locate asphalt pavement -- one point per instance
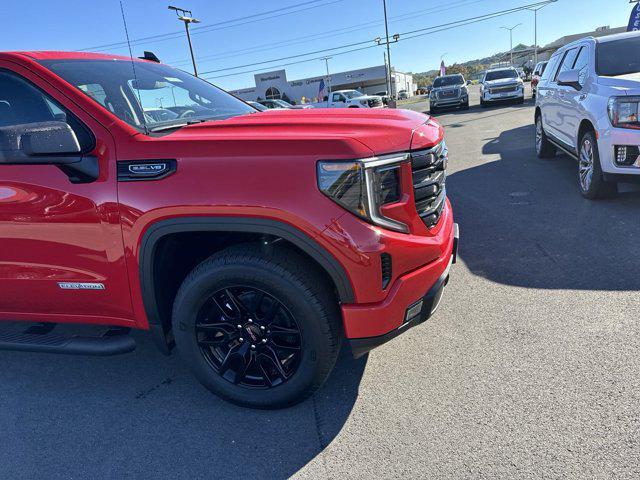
(529, 369)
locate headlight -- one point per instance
(364, 186)
(623, 112)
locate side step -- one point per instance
(39, 338)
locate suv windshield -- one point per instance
(618, 57)
(157, 97)
(447, 81)
(500, 74)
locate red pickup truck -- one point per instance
(136, 196)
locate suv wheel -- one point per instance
(590, 178)
(258, 328)
(544, 148)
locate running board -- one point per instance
(39, 338)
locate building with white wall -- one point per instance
(368, 80)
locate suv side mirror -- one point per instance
(570, 78)
(47, 143)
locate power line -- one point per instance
(177, 34)
(330, 33)
(413, 33)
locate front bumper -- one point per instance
(405, 310)
(505, 96)
(449, 102)
(608, 138)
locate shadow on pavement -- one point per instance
(143, 415)
(523, 222)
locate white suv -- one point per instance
(587, 105)
(500, 84)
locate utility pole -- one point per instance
(187, 17)
(386, 72)
(511, 39)
(392, 101)
(326, 61)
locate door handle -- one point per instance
(583, 96)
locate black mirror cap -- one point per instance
(25, 142)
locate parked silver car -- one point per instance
(588, 105)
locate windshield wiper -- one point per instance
(162, 128)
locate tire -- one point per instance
(521, 101)
(590, 178)
(544, 148)
(433, 110)
(465, 106)
(483, 104)
(237, 356)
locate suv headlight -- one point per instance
(624, 111)
(363, 187)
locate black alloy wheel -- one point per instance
(249, 337)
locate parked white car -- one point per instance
(501, 84)
(587, 105)
(350, 99)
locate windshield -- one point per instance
(283, 104)
(618, 57)
(157, 97)
(448, 81)
(500, 74)
(352, 93)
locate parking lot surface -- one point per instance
(529, 369)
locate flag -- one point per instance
(634, 21)
(443, 69)
(321, 90)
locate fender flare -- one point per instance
(156, 231)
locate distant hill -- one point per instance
(468, 68)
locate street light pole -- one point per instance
(535, 27)
(186, 17)
(511, 39)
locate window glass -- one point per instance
(448, 81)
(618, 57)
(501, 74)
(135, 95)
(567, 62)
(21, 103)
(581, 64)
(551, 68)
(337, 98)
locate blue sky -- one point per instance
(307, 27)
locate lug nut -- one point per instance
(262, 327)
(241, 339)
(264, 340)
(240, 327)
(253, 347)
(250, 321)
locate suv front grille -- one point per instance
(429, 174)
(507, 89)
(448, 94)
(374, 102)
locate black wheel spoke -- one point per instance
(249, 337)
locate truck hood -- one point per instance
(630, 81)
(380, 130)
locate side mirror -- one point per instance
(52, 143)
(570, 78)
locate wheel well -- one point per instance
(585, 126)
(176, 254)
(537, 114)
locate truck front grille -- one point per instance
(429, 174)
(448, 94)
(374, 102)
(507, 89)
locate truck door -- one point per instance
(61, 247)
(338, 100)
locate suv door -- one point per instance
(62, 253)
(555, 122)
(546, 93)
(571, 101)
(338, 100)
